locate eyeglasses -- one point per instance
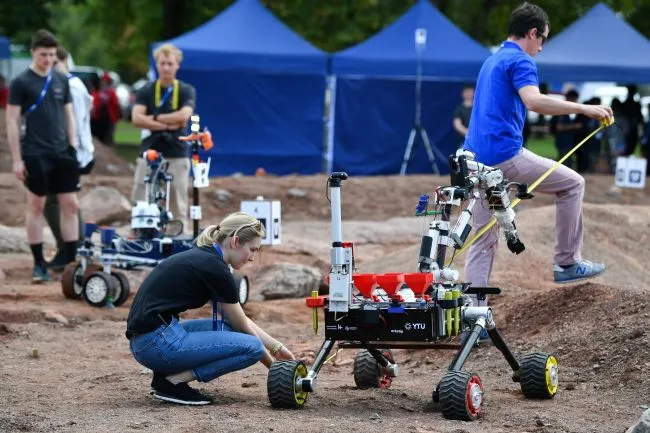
(541, 35)
(257, 226)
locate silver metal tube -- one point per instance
(335, 197)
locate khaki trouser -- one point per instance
(178, 202)
(568, 188)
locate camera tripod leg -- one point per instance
(407, 153)
(429, 149)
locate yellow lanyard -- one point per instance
(174, 95)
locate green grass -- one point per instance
(127, 141)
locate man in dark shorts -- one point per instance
(42, 139)
(162, 108)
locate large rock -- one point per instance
(13, 240)
(105, 205)
(643, 426)
(286, 280)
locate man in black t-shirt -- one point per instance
(162, 108)
(44, 155)
(462, 114)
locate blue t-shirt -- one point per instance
(497, 122)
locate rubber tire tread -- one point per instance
(453, 394)
(67, 278)
(280, 385)
(366, 370)
(533, 375)
(125, 288)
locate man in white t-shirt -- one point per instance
(82, 103)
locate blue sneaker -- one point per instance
(39, 274)
(579, 271)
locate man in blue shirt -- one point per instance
(507, 86)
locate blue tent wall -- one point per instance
(374, 120)
(260, 90)
(5, 52)
(613, 51)
(375, 88)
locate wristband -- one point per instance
(276, 348)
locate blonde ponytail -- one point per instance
(239, 224)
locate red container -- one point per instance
(365, 283)
(419, 282)
(391, 282)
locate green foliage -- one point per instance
(118, 34)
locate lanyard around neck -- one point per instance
(171, 90)
(46, 86)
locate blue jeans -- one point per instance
(193, 345)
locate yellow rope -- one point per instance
(603, 124)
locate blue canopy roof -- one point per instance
(449, 54)
(612, 51)
(247, 36)
(5, 52)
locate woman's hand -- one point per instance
(284, 354)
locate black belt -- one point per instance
(162, 318)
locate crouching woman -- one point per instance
(180, 351)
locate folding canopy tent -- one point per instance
(375, 93)
(260, 90)
(5, 52)
(599, 46)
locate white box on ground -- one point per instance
(630, 172)
(268, 212)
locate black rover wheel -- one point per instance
(122, 288)
(460, 395)
(539, 375)
(368, 373)
(99, 289)
(72, 278)
(282, 387)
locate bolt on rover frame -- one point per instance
(427, 309)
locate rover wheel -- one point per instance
(243, 284)
(539, 375)
(122, 288)
(368, 373)
(72, 278)
(99, 289)
(282, 384)
(461, 395)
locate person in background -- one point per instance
(462, 114)
(565, 128)
(162, 108)
(44, 155)
(106, 110)
(82, 106)
(4, 92)
(631, 110)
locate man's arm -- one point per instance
(13, 131)
(543, 104)
(458, 126)
(71, 125)
(140, 119)
(177, 119)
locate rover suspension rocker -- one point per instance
(425, 309)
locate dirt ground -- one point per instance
(80, 377)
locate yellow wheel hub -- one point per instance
(299, 394)
(551, 375)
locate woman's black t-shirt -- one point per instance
(181, 282)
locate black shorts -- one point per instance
(52, 174)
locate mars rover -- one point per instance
(426, 309)
(156, 235)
